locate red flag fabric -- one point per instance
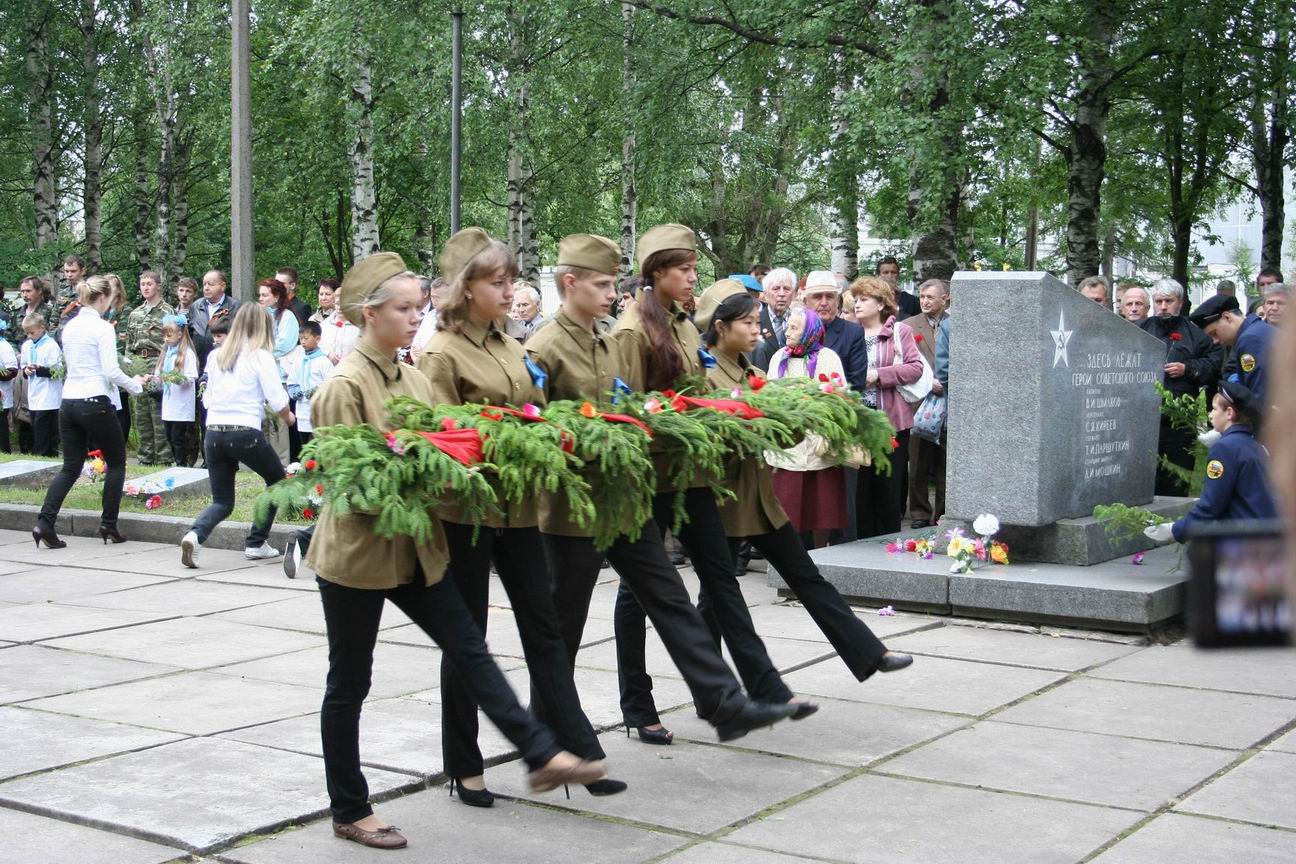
(462, 445)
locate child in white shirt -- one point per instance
(42, 360)
(8, 372)
(315, 369)
(179, 363)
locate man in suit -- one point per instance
(888, 269)
(927, 458)
(843, 338)
(779, 288)
(215, 302)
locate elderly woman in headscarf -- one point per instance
(811, 488)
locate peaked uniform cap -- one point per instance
(664, 237)
(362, 280)
(711, 299)
(589, 252)
(460, 249)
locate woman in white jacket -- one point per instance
(811, 489)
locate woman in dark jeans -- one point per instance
(87, 418)
(241, 378)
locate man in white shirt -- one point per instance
(433, 290)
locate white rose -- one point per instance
(986, 525)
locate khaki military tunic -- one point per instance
(481, 365)
(580, 365)
(345, 549)
(634, 351)
(756, 510)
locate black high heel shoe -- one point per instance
(652, 736)
(48, 537)
(111, 534)
(472, 797)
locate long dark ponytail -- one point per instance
(665, 365)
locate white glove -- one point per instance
(1209, 437)
(1160, 533)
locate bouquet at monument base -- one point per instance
(598, 461)
(966, 551)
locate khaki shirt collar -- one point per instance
(386, 365)
(582, 336)
(479, 334)
(735, 370)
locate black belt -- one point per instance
(225, 427)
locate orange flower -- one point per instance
(587, 410)
(999, 553)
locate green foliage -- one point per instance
(1122, 523)
(840, 419)
(1188, 413)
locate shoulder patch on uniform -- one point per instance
(1215, 469)
(1247, 362)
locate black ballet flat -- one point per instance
(803, 710)
(47, 536)
(653, 736)
(472, 797)
(892, 662)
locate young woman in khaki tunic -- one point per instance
(732, 320)
(659, 349)
(579, 364)
(471, 360)
(359, 570)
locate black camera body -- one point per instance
(1237, 584)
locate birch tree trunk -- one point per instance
(521, 211)
(143, 195)
(845, 212)
(364, 196)
(40, 75)
(92, 121)
(1087, 155)
(180, 203)
(1270, 133)
(629, 191)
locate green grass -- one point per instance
(89, 496)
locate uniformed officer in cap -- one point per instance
(1237, 473)
(1249, 336)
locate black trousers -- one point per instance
(720, 601)
(45, 433)
(879, 502)
(655, 586)
(294, 437)
(5, 446)
(177, 433)
(854, 642)
(226, 450)
(124, 415)
(1178, 446)
(518, 555)
(352, 616)
(88, 424)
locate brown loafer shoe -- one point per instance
(384, 838)
(552, 776)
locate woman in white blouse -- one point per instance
(86, 413)
(241, 379)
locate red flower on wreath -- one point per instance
(1176, 336)
(755, 381)
(319, 488)
(895, 444)
(308, 513)
(310, 465)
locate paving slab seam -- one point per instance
(667, 856)
(102, 720)
(100, 824)
(624, 821)
(50, 769)
(1198, 689)
(999, 790)
(1004, 663)
(1114, 735)
(88, 632)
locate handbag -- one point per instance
(918, 390)
(929, 418)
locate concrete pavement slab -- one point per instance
(1190, 840)
(1285, 744)
(33, 671)
(10, 536)
(191, 643)
(600, 693)
(401, 735)
(843, 733)
(1118, 772)
(214, 566)
(302, 612)
(7, 567)
(1269, 671)
(785, 653)
(931, 683)
(398, 670)
(1151, 711)
(1006, 646)
(725, 853)
(199, 793)
(83, 552)
(1261, 789)
(50, 740)
(691, 787)
(441, 829)
(69, 585)
(164, 560)
(876, 819)
(36, 621)
(31, 839)
(186, 597)
(196, 703)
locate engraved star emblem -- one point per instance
(1061, 337)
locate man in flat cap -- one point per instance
(1237, 470)
(1249, 336)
